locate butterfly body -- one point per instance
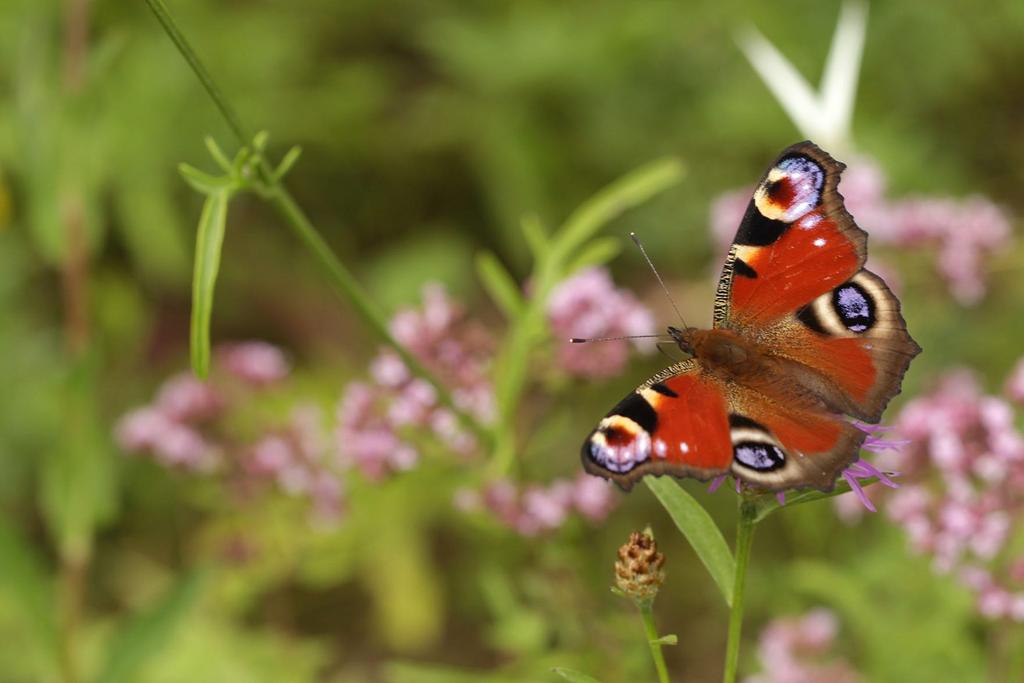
(804, 338)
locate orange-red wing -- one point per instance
(794, 282)
(796, 242)
(675, 424)
(779, 446)
(855, 342)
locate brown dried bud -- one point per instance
(638, 572)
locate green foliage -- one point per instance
(144, 637)
(694, 522)
(575, 676)
(444, 141)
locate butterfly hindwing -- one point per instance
(778, 447)
(855, 338)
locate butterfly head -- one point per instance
(683, 337)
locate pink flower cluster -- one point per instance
(170, 427)
(966, 232)
(589, 305)
(373, 415)
(537, 509)
(298, 460)
(795, 650)
(965, 457)
(184, 427)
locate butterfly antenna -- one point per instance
(636, 241)
(584, 340)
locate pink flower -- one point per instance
(187, 427)
(185, 397)
(1015, 383)
(298, 459)
(793, 650)
(376, 419)
(589, 305)
(965, 456)
(254, 362)
(538, 508)
(171, 442)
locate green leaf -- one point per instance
(699, 529)
(201, 182)
(287, 162)
(574, 676)
(767, 504)
(78, 492)
(597, 253)
(625, 193)
(499, 283)
(670, 639)
(209, 240)
(535, 235)
(217, 153)
(145, 635)
(26, 579)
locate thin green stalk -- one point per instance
(178, 38)
(651, 631)
(341, 278)
(744, 540)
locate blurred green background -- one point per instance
(429, 130)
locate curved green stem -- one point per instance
(341, 278)
(651, 631)
(744, 540)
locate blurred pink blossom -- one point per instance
(796, 650)
(255, 362)
(589, 305)
(171, 442)
(965, 232)
(299, 460)
(187, 398)
(965, 459)
(186, 427)
(373, 417)
(1015, 383)
(168, 429)
(535, 508)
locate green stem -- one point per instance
(651, 631)
(178, 38)
(341, 278)
(744, 540)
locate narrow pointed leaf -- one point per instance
(791, 89)
(209, 240)
(599, 252)
(499, 284)
(535, 235)
(839, 83)
(217, 153)
(768, 503)
(203, 183)
(288, 162)
(699, 529)
(625, 193)
(142, 638)
(574, 676)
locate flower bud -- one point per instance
(638, 572)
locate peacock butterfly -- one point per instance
(803, 338)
